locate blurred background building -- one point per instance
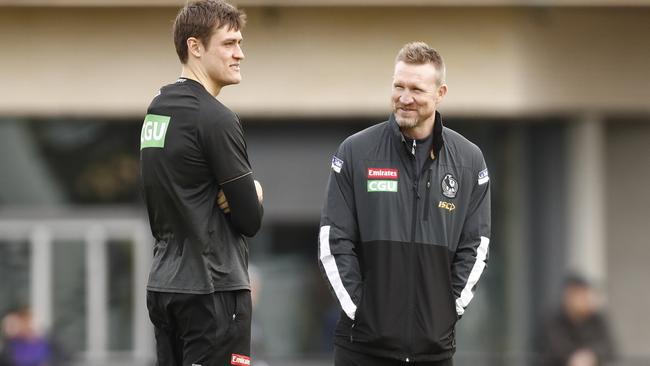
(555, 92)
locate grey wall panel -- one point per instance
(293, 165)
(628, 243)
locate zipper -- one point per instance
(416, 198)
(416, 193)
(427, 194)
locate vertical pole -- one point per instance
(586, 231)
(142, 328)
(41, 277)
(516, 234)
(96, 289)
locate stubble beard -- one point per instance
(405, 122)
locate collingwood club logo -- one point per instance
(449, 186)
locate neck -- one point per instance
(201, 77)
(421, 130)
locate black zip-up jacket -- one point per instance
(402, 246)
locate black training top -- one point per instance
(403, 244)
(191, 146)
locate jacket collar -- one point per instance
(400, 141)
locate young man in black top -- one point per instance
(201, 197)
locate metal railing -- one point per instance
(94, 228)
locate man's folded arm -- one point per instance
(246, 211)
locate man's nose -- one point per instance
(239, 53)
(405, 97)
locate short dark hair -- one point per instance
(576, 280)
(419, 53)
(199, 18)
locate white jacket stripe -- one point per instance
(332, 272)
(466, 295)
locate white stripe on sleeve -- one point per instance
(483, 180)
(332, 273)
(466, 295)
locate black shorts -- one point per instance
(345, 357)
(203, 330)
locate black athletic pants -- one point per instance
(201, 330)
(345, 357)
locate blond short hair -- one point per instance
(419, 53)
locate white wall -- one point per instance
(332, 60)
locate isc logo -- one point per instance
(154, 130)
(446, 205)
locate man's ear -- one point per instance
(442, 91)
(194, 47)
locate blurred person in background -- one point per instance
(24, 345)
(578, 335)
(201, 197)
(405, 226)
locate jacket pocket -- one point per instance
(383, 309)
(357, 315)
(435, 311)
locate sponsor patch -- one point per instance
(446, 205)
(154, 130)
(240, 360)
(483, 176)
(382, 173)
(449, 186)
(382, 186)
(337, 164)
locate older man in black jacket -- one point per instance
(405, 226)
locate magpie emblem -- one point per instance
(449, 186)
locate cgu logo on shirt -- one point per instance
(382, 186)
(382, 179)
(154, 130)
